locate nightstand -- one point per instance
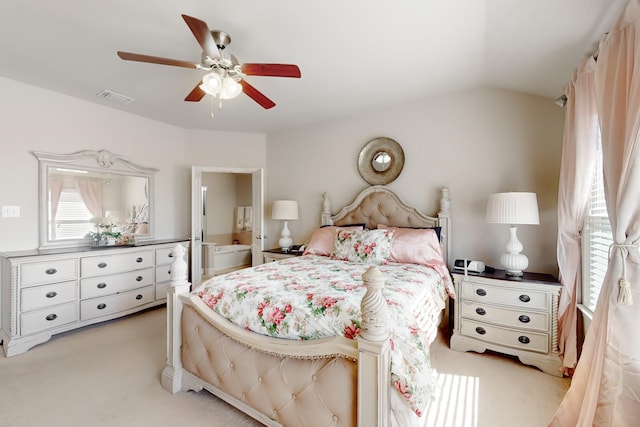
(510, 315)
(276, 254)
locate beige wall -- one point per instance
(35, 119)
(475, 142)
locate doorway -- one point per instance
(242, 210)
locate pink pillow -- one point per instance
(323, 240)
(417, 246)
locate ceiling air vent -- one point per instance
(115, 97)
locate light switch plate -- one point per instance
(10, 211)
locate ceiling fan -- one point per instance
(227, 76)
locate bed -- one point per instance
(286, 368)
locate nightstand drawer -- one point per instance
(513, 297)
(524, 340)
(502, 316)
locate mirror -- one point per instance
(93, 198)
(381, 160)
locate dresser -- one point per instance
(47, 292)
(271, 255)
(510, 315)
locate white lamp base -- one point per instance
(513, 261)
(285, 241)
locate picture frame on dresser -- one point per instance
(512, 315)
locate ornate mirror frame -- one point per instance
(380, 161)
(99, 166)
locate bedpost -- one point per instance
(326, 210)
(444, 220)
(172, 373)
(374, 375)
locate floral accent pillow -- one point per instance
(323, 239)
(366, 246)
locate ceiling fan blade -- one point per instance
(128, 56)
(201, 31)
(272, 70)
(256, 95)
(196, 94)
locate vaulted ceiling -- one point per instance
(355, 55)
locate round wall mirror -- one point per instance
(381, 160)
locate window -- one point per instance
(596, 239)
(72, 217)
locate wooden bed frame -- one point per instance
(370, 352)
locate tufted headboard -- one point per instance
(379, 205)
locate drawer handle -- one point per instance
(524, 298)
(51, 317)
(170, 255)
(138, 296)
(139, 279)
(51, 294)
(169, 271)
(480, 330)
(101, 306)
(51, 271)
(102, 285)
(523, 339)
(481, 292)
(102, 265)
(139, 259)
(481, 311)
(524, 319)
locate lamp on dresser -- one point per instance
(513, 208)
(285, 210)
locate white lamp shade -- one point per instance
(285, 210)
(513, 208)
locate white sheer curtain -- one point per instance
(605, 390)
(55, 189)
(576, 170)
(91, 193)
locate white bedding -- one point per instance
(312, 297)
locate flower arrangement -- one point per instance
(108, 233)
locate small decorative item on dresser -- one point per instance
(510, 315)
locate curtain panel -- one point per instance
(605, 390)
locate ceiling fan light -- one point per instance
(211, 84)
(230, 88)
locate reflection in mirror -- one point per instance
(81, 205)
(381, 161)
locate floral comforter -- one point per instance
(310, 297)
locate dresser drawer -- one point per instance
(513, 297)
(164, 256)
(523, 340)
(42, 296)
(104, 306)
(115, 283)
(163, 273)
(46, 318)
(161, 290)
(35, 273)
(520, 319)
(101, 265)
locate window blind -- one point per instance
(72, 217)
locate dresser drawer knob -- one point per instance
(138, 297)
(523, 339)
(480, 330)
(51, 294)
(139, 259)
(481, 292)
(524, 298)
(170, 255)
(139, 279)
(51, 317)
(102, 285)
(481, 311)
(524, 318)
(102, 265)
(101, 306)
(51, 271)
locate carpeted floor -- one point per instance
(109, 375)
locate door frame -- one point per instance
(257, 197)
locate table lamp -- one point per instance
(513, 208)
(285, 210)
